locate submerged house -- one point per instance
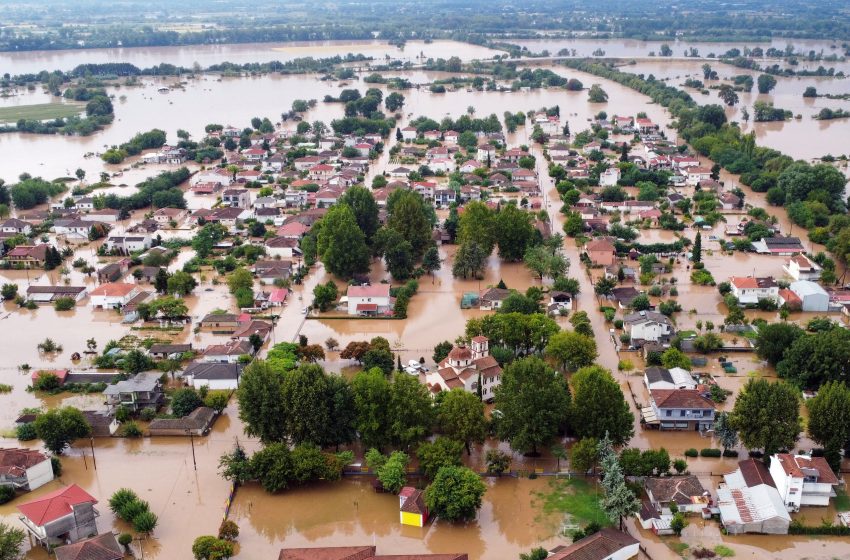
(24, 469)
(411, 505)
(61, 517)
(142, 391)
(750, 503)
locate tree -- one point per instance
(208, 547)
(696, 253)
(604, 286)
(478, 225)
(11, 540)
(261, 405)
(726, 434)
(161, 281)
(829, 420)
(766, 83)
(181, 283)
(455, 494)
(673, 357)
(342, 244)
(431, 260)
(304, 395)
(397, 252)
(325, 295)
(59, 427)
(461, 417)
(441, 350)
(767, 415)
(513, 232)
(184, 401)
(538, 553)
(571, 350)
(813, 359)
(596, 94)
(392, 473)
(371, 400)
(534, 403)
(272, 466)
(394, 101)
(584, 455)
(598, 406)
(365, 210)
(240, 278)
(678, 523)
(411, 412)
(619, 501)
(9, 291)
(469, 261)
(442, 452)
(410, 215)
(775, 339)
(355, 350)
(728, 95)
(206, 239)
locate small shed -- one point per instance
(412, 510)
(469, 300)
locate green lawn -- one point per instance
(39, 112)
(576, 497)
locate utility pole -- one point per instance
(93, 459)
(192, 441)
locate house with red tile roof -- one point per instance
(467, 368)
(64, 516)
(113, 295)
(607, 544)
(357, 553)
(680, 409)
(101, 547)
(24, 469)
(803, 480)
(369, 300)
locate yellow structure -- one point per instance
(412, 510)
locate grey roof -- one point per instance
(806, 288)
(202, 370)
(643, 316)
(656, 374)
(145, 381)
(782, 241)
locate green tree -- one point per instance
(393, 472)
(673, 357)
(410, 215)
(571, 350)
(342, 244)
(397, 252)
(696, 253)
(513, 232)
(829, 420)
(181, 283)
(441, 350)
(11, 541)
(767, 415)
(9, 291)
(440, 453)
(240, 278)
(208, 547)
(272, 466)
(184, 401)
(431, 260)
(325, 295)
(619, 500)
(766, 83)
(584, 455)
(304, 393)
(598, 406)
(394, 101)
(365, 209)
(461, 417)
(775, 339)
(478, 225)
(261, 405)
(455, 494)
(60, 427)
(372, 400)
(161, 281)
(678, 523)
(534, 402)
(726, 434)
(411, 412)
(470, 260)
(596, 94)
(206, 239)
(814, 359)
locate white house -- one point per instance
(465, 367)
(227, 353)
(749, 289)
(696, 174)
(648, 326)
(802, 480)
(609, 177)
(655, 377)
(801, 267)
(24, 469)
(812, 295)
(283, 247)
(369, 300)
(14, 225)
(127, 243)
(408, 133)
(112, 295)
(216, 376)
(749, 502)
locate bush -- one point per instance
(228, 530)
(145, 522)
(46, 382)
(25, 432)
(7, 494)
(730, 453)
(124, 539)
(64, 303)
(797, 528)
(724, 551)
(710, 452)
(147, 414)
(691, 452)
(131, 430)
(120, 499)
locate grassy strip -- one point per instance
(39, 112)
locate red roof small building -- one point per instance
(60, 374)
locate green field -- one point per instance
(576, 497)
(39, 112)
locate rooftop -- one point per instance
(598, 546)
(55, 505)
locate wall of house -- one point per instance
(215, 384)
(413, 519)
(39, 475)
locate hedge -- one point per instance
(691, 452)
(797, 528)
(710, 452)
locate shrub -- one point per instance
(703, 552)
(56, 465)
(25, 432)
(730, 453)
(121, 498)
(131, 430)
(124, 539)
(64, 304)
(7, 494)
(147, 414)
(710, 452)
(680, 466)
(724, 551)
(691, 452)
(228, 530)
(145, 522)
(46, 382)
(122, 413)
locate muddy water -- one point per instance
(206, 55)
(351, 512)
